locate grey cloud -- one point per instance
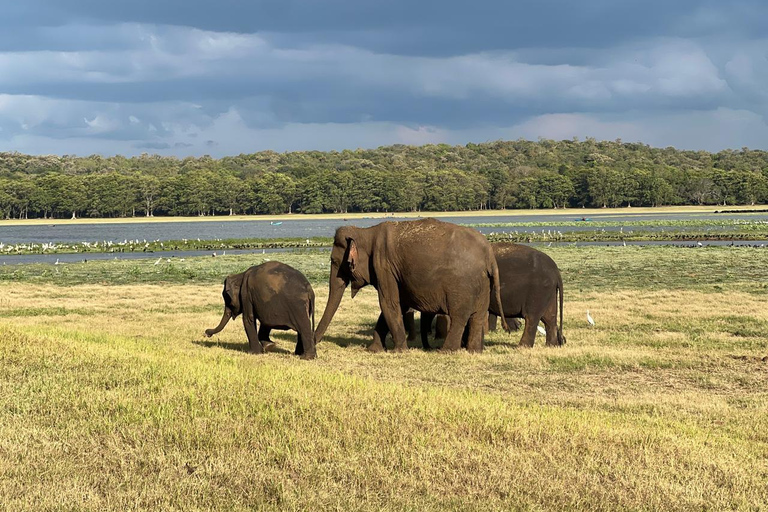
(136, 73)
(152, 145)
(421, 28)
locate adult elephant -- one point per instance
(530, 285)
(279, 297)
(427, 265)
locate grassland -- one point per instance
(112, 399)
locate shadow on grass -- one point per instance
(240, 347)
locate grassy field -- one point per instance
(112, 399)
(578, 212)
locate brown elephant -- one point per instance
(530, 284)
(427, 265)
(279, 297)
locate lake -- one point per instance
(60, 231)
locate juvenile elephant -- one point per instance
(279, 297)
(428, 265)
(530, 284)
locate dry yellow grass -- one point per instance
(112, 399)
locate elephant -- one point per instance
(425, 264)
(530, 283)
(279, 297)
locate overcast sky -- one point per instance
(193, 77)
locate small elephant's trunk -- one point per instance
(224, 319)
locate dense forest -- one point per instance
(493, 175)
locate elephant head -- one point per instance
(232, 306)
(351, 263)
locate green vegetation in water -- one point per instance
(741, 224)
(150, 246)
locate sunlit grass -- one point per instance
(111, 398)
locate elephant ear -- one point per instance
(231, 293)
(352, 255)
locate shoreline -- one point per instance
(579, 212)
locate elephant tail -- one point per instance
(560, 337)
(496, 284)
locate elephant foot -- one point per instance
(525, 345)
(375, 347)
(306, 356)
(401, 350)
(268, 346)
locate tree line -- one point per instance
(493, 175)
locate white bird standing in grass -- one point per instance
(57, 261)
(158, 261)
(590, 321)
(541, 330)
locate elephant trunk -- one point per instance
(224, 319)
(336, 288)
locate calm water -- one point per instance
(60, 231)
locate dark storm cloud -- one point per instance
(420, 28)
(176, 76)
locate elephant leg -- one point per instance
(475, 331)
(266, 343)
(465, 336)
(254, 345)
(389, 301)
(529, 333)
(379, 335)
(459, 321)
(305, 344)
(441, 326)
(426, 328)
(550, 323)
(492, 319)
(409, 322)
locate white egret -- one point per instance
(541, 330)
(57, 261)
(158, 261)
(590, 321)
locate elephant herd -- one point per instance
(434, 267)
